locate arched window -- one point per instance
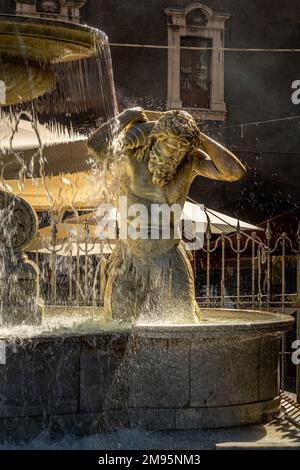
(196, 60)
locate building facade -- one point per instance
(223, 61)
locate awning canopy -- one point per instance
(82, 190)
(197, 214)
(84, 234)
(24, 134)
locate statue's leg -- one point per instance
(178, 304)
(127, 285)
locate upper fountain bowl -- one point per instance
(28, 50)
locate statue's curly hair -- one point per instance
(178, 124)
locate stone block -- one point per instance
(103, 383)
(39, 378)
(152, 419)
(226, 416)
(269, 367)
(158, 373)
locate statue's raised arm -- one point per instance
(215, 161)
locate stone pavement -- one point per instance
(280, 434)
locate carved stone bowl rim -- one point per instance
(273, 324)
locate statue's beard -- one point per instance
(161, 167)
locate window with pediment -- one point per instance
(196, 60)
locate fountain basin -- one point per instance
(220, 373)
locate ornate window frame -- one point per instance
(69, 10)
(213, 28)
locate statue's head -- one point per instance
(164, 143)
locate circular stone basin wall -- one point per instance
(222, 372)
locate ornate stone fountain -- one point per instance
(165, 365)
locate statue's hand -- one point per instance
(98, 143)
(134, 115)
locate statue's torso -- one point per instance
(137, 185)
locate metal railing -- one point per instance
(249, 271)
(71, 279)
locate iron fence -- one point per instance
(249, 271)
